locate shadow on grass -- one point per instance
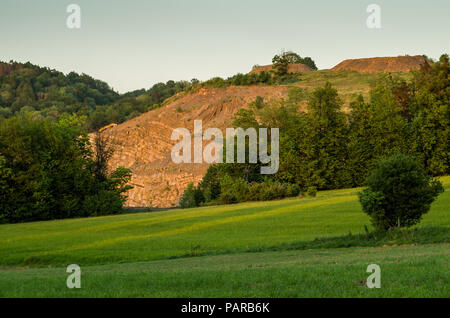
(422, 235)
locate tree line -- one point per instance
(52, 170)
(49, 94)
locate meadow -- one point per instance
(302, 247)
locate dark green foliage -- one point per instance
(232, 190)
(239, 79)
(48, 171)
(412, 118)
(263, 78)
(49, 94)
(325, 141)
(235, 190)
(309, 62)
(311, 191)
(188, 199)
(399, 192)
(192, 197)
(429, 129)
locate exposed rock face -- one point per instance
(292, 68)
(143, 143)
(382, 64)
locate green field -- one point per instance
(281, 248)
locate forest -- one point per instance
(49, 94)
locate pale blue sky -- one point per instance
(134, 44)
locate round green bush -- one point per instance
(311, 191)
(398, 193)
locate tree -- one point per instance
(191, 197)
(309, 62)
(378, 128)
(429, 129)
(399, 192)
(281, 61)
(47, 171)
(325, 141)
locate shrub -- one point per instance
(293, 190)
(232, 190)
(311, 191)
(190, 197)
(102, 203)
(273, 191)
(255, 190)
(49, 170)
(399, 192)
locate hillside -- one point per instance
(146, 118)
(143, 143)
(382, 64)
(50, 94)
(292, 68)
(40, 88)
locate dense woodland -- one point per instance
(327, 148)
(50, 170)
(48, 94)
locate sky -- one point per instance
(134, 44)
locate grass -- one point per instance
(199, 231)
(406, 271)
(150, 254)
(348, 83)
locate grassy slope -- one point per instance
(130, 255)
(348, 83)
(208, 230)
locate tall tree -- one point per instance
(325, 143)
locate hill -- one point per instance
(144, 144)
(383, 64)
(50, 94)
(146, 118)
(38, 88)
